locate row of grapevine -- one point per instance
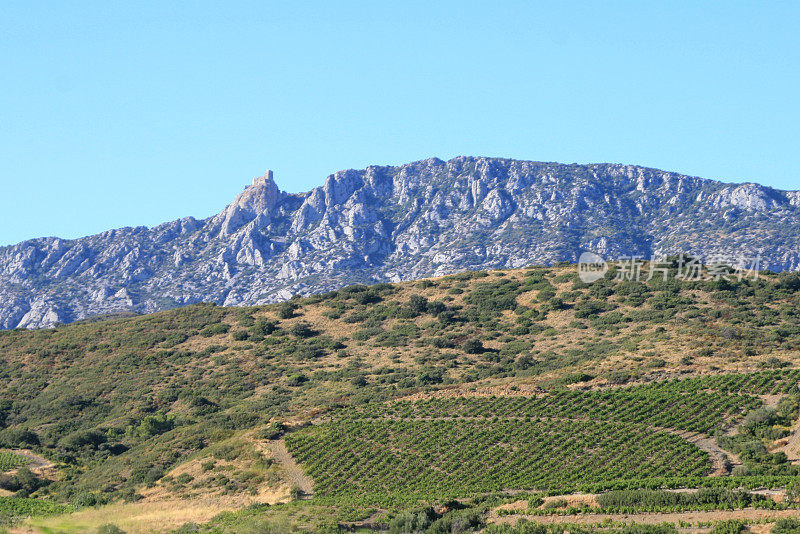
(697, 412)
(774, 382)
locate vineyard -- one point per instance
(9, 460)
(451, 458)
(679, 404)
(774, 382)
(456, 446)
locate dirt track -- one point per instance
(294, 474)
(39, 465)
(709, 445)
(792, 445)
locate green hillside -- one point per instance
(394, 397)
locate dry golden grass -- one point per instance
(255, 458)
(134, 518)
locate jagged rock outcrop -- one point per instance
(392, 223)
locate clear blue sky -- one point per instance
(134, 113)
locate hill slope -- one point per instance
(246, 365)
(426, 218)
(530, 378)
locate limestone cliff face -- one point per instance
(392, 223)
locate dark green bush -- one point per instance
(215, 330)
(18, 437)
(297, 380)
(473, 346)
(786, 525)
(286, 310)
(494, 297)
(303, 330)
(241, 335)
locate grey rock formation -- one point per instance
(394, 223)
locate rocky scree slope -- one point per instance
(421, 219)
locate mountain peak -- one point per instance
(426, 218)
(259, 198)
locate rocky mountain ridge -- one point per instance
(387, 223)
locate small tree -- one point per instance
(295, 493)
(154, 425)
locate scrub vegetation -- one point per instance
(431, 398)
